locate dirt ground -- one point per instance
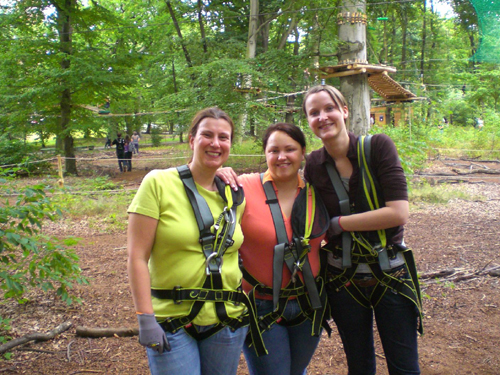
(462, 317)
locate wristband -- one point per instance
(340, 225)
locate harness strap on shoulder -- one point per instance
(213, 247)
(370, 189)
(344, 210)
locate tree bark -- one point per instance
(352, 50)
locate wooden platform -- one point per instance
(378, 79)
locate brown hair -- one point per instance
(335, 94)
(291, 130)
(213, 112)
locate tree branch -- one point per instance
(35, 337)
(82, 331)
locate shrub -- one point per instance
(16, 152)
(28, 258)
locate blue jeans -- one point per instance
(396, 318)
(217, 355)
(290, 348)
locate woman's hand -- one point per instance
(229, 176)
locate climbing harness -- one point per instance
(214, 239)
(371, 248)
(309, 291)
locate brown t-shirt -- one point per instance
(386, 167)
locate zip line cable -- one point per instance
(113, 159)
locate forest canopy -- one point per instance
(92, 67)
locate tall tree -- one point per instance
(352, 34)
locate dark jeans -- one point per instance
(122, 163)
(128, 160)
(396, 318)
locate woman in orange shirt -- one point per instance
(280, 256)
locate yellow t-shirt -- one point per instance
(176, 258)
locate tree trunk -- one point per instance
(65, 39)
(404, 23)
(202, 26)
(286, 34)
(251, 52)
(424, 34)
(352, 34)
(179, 34)
(264, 33)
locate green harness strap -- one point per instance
(215, 238)
(295, 255)
(361, 250)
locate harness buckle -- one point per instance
(296, 268)
(229, 216)
(211, 264)
(207, 242)
(177, 294)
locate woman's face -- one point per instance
(284, 155)
(212, 143)
(325, 119)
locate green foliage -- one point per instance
(102, 183)
(28, 258)
(411, 144)
(16, 152)
(423, 192)
(156, 136)
(90, 200)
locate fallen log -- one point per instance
(82, 331)
(460, 276)
(476, 171)
(441, 273)
(35, 337)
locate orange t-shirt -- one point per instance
(257, 250)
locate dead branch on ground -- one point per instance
(35, 337)
(452, 275)
(82, 331)
(476, 171)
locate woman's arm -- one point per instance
(140, 240)
(394, 213)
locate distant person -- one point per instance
(135, 142)
(441, 126)
(108, 143)
(106, 106)
(120, 150)
(479, 123)
(128, 153)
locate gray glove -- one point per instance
(151, 334)
(335, 228)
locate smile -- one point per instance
(321, 127)
(213, 153)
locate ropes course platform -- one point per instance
(378, 79)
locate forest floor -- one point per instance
(461, 312)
